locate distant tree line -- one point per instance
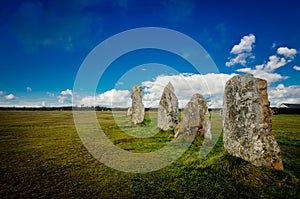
(103, 108)
(38, 108)
(286, 111)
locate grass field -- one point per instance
(42, 156)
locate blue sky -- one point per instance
(43, 44)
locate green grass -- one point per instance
(43, 157)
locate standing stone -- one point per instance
(168, 109)
(137, 108)
(247, 122)
(195, 119)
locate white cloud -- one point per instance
(283, 94)
(274, 63)
(67, 92)
(1, 93)
(212, 87)
(239, 59)
(61, 99)
(43, 104)
(245, 45)
(243, 51)
(65, 97)
(111, 98)
(266, 71)
(28, 89)
(119, 83)
(258, 72)
(296, 68)
(185, 85)
(10, 97)
(287, 52)
(29, 101)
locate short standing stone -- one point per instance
(137, 108)
(168, 109)
(195, 119)
(247, 122)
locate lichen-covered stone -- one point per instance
(168, 109)
(195, 118)
(137, 108)
(247, 122)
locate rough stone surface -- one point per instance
(247, 122)
(137, 108)
(168, 109)
(195, 119)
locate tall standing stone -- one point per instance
(168, 109)
(195, 118)
(137, 108)
(247, 122)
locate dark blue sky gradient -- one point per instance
(43, 43)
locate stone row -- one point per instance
(246, 119)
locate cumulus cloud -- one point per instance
(65, 96)
(67, 92)
(258, 72)
(28, 89)
(10, 97)
(266, 71)
(185, 85)
(1, 93)
(210, 86)
(184, 90)
(111, 98)
(242, 51)
(275, 63)
(287, 52)
(239, 59)
(61, 99)
(283, 94)
(245, 45)
(296, 68)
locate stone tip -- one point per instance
(243, 76)
(136, 86)
(197, 95)
(170, 86)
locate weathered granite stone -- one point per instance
(137, 108)
(247, 122)
(195, 119)
(168, 109)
